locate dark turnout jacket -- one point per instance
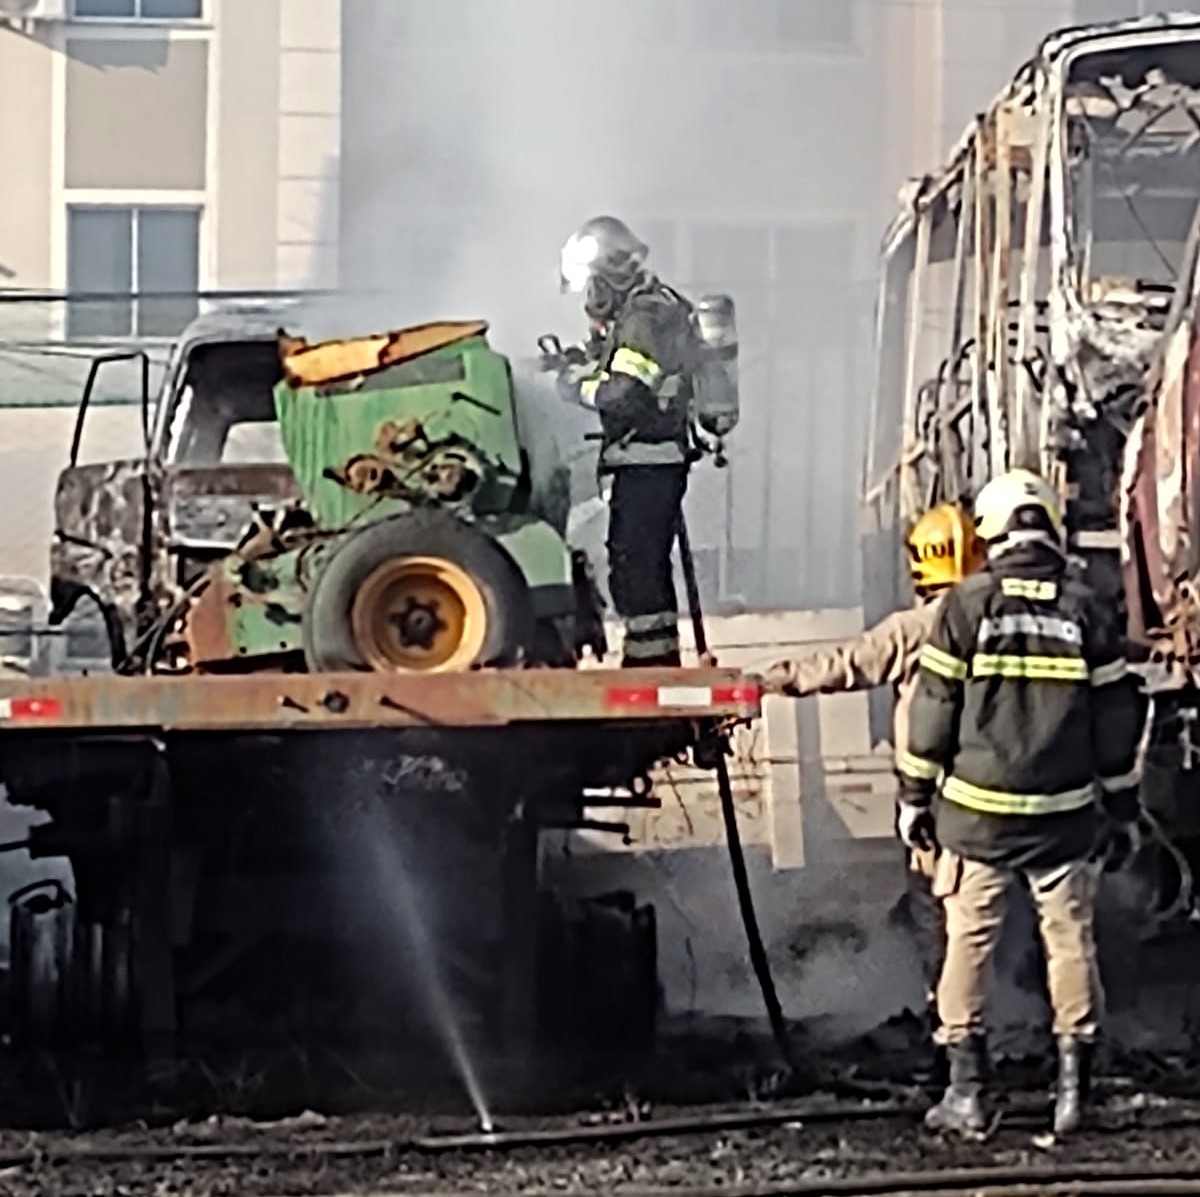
(642, 386)
(1026, 713)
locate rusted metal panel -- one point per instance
(100, 534)
(1161, 491)
(306, 365)
(487, 698)
(214, 506)
(207, 630)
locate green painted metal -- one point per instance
(266, 608)
(462, 397)
(538, 550)
(460, 394)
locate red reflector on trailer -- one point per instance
(632, 696)
(742, 695)
(30, 708)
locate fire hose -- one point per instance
(737, 857)
(1184, 903)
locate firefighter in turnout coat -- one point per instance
(942, 549)
(1022, 744)
(636, 370)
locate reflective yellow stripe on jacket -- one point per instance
(637, 365)
(938, 661)
(918, 767)
(1000, 802)
(589, 386)
(1030, 668)
(1029, 588)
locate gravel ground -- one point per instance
(1149, 1114)
(1134, 1127)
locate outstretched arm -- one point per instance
(880, 656)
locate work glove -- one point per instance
(1120, 844)
(776, 679)
(555, 358)
(1122, 835)
(915, 826)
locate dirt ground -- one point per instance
(1132, 1128)
(1148, 1112)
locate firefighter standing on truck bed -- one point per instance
(636, 371)
(942, 549)
(1024, 708)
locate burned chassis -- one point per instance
(187, 871)
(1040, 305)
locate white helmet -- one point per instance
(1019, 501)
(604, 247)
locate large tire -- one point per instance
(417, 593)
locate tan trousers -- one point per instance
(975, 896)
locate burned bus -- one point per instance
(1039, 307)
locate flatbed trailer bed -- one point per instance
(281, 702)
(216, 823)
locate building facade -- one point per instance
(152, 150)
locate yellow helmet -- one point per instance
(943, 548)
(1007, 494)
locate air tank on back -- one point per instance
(716, 404)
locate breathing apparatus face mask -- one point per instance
(601, 300)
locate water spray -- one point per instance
(394, 874)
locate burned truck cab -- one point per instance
(218, 440)
(132, 534)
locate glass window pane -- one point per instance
(105, 8)
(818, 253)
(172, 10)
(728, 253)
(168, 260)
(99, 261)
(822, 22)
(735, 259)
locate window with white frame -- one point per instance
(131, 271)
(138, 10)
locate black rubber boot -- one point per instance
(940, 1079)
(935, 1076)
(961, 1108)
(1074, 1083)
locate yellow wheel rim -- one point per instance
(419, 615)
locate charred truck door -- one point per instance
(104, 525)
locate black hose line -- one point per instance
(737, 857)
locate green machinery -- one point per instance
(418, 541)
